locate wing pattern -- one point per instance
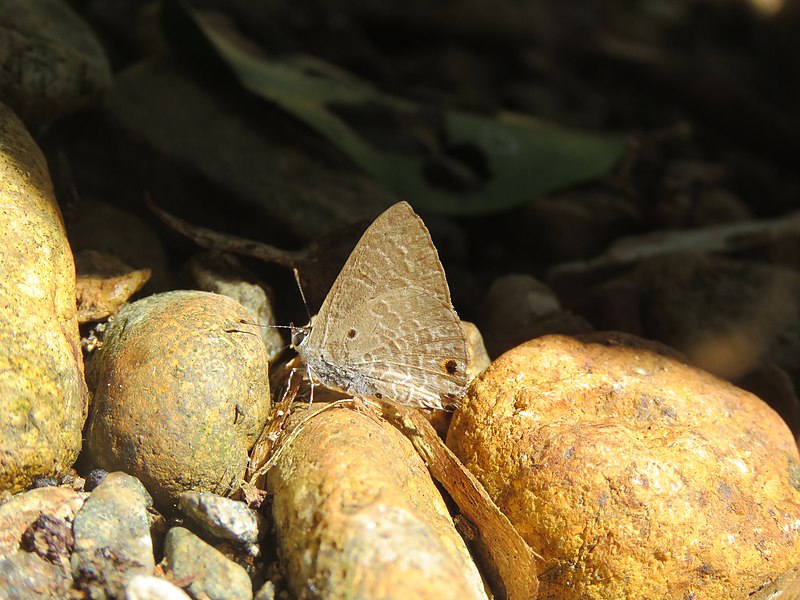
(387, 328)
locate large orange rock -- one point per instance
(633, 474)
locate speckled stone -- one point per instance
(213, 575)
(112, 536)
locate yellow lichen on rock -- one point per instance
(358, 516)
(180, 391)
(43, 396)
(633, 474)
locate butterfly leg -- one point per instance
(264, 447)
(311, 384)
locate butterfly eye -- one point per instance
(450, 366)
(299, 334)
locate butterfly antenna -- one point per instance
(300, 287)
(254, 324)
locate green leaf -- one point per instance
(439, 160)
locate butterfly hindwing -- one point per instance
(387, 327)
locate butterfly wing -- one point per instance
(387, 327)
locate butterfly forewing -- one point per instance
(387, 328)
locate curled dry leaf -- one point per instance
(785, 587)
(511, 563)
(727, 238)
(104, 284)
(316, 265)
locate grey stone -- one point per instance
(24, 575)
(213, 575)
(53, 65)
(112, 537)
(221, 517)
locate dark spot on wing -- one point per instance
(352, 333)
(450, 366)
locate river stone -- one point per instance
(19, 512)
(726, 315)
(43, 396)
(633, 474)
(25, 575)
(148, 587)
(221, 518)
(181, 391)
(212, 574)
(52, 63)
(112, 537)
(357, 515)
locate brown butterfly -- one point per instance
(387, 328)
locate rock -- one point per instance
(112, 537)
(725, 315)
(181, 391)
(22, 510)
(224, 274)
(518, 308)
(212, 575)
(44, 397)
(44, 482)
(220, 517)
(358, 516)
(266, 592)
(24, 575)
(717, 206)
(50, 538)
(612, 305)
(694, 196)
(149, 587)
(478, 358)
(94, 478)
(631, 473)
(577, 224)
(52, 63)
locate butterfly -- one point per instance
(387, 329)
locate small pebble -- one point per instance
(220, 517)
(266, 592)
(94, 478)
(212, 575)
(112, 537)
(43, 482)
(25, 575)
(149, 587)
